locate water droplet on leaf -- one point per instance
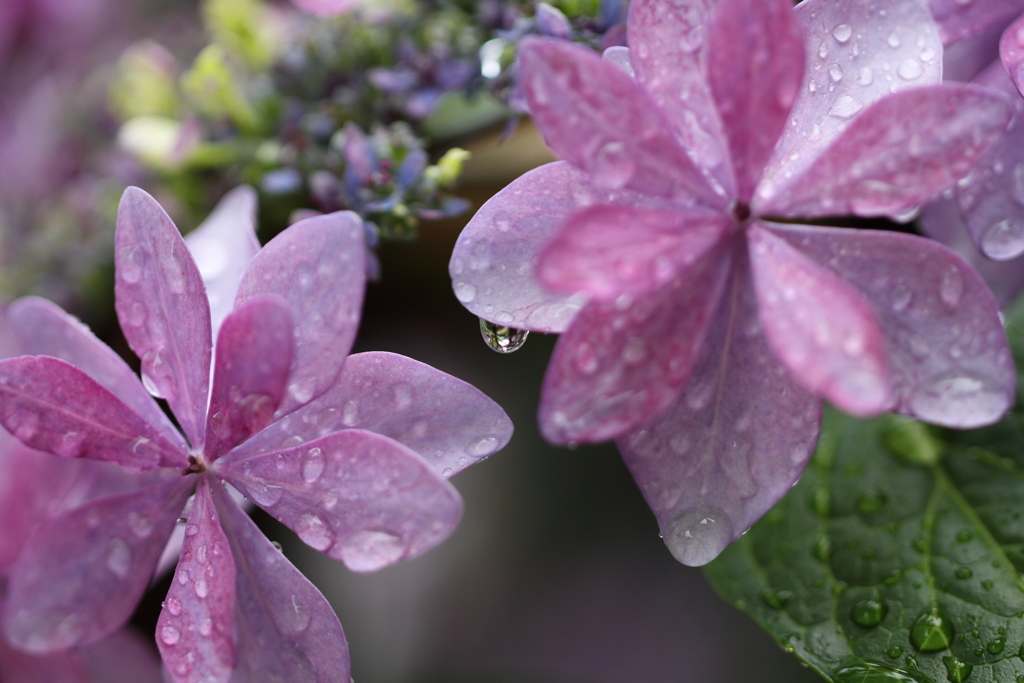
(956, 670)
(932, 631)
(874, 672)
(868, 613)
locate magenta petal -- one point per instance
(60, 667)
(607, 251)
(906, 148)
(254, 356)
(123, 657)
(450, 423)
(669, 68)
(318, 267)
(1011, 51)
(857, 54)
(623, 362)
(959, 20)
(755, 63)
(46, 330)
(948, 356)
(222, 246)
(194, 632)
(733, 443)
(82, 573)
(600, 120)
(52, 406)
(359, 497)
(284, 628)
(819, 326)
(162, 306)
(325, 7)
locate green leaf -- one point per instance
(896, 558)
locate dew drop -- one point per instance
(266, 495)
(910, 69)
(698, 535)
(191, 529)
(140, 525)
(329, 501)
(996, 646)
(485, 445)
(501, 338)
(951, 288)
(957, 671)
(313, 532)
(964, 535)
(465, 292)
(611, 165)
(202, 588)
(206, 627)
(369, 551)
(303, 390)
(313, 464)
(964, 573)
(835, 72)
(350, 415)
(845, 107)
(1004, 239)
(119, 557)
(932, 631)
(893, 40)
(173, 606)
(868, 613)
(865, 76)
(874, 672)
(842, 32)
(170, 635)
(70, 445)
(586, 359)
(894, 652)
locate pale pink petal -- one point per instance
(734, 442)
(254, 356)
(325, 7)
(948, 356)
(52, 406)
(194, 631)
(900, 152)
(222, 246)
(162, 306)
(492, 266)
(82, 573)
(668, 62)
(992, 195)
(359, 497)
(857, 54)
(450, 423)
(600, 120)
(959, 20)
(941, 220)
(124, 657)
(284, 628)
(821, 328)
(755, 64)
(317, 267)
(607, 251)
(623, 362)
(46, 330)
(1011, 51)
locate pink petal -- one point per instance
(254, 356)
(162, 306)
(325, 7)
(359, 497)
(450, 423)
(607, 251)
(623, 362)
(222, 246)
(948, 356)
(46, 330)
(821, 328)
(492, 266)
(52, 406)
(733, 443)
(600, 120)
(755, 64)
(194, 632)
(284, 628)
(855, 57)
(941, 220)
(82, 573)
(669, 66)
(902, 151)
(123, 657)
(1011, 51)
(991, 195)
(61, 667)
(317, 267)
(959, 20)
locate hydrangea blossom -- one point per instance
(329, 446)
(699, 330)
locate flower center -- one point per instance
(740, 211)
(195, 466)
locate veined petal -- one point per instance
(293, 637)
(991, 195)
(52, 406)
(858, 52)
(359, 497)
(623, 362)
(162, 306)
(755, 64)
(82, 573)
(450, 423)
(821, 328)
(899, 153)
(254, 356)
(318, 267)
(595, 116)
(948, 355)
(222, 246)
(733, 443)
(46, 330)
(670, 67)
(607, 251)
(960, 20)
(195, 628)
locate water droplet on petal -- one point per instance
(465, 292)
(266, 495)
(893, 40)
(313, 464)
(150, 386)
(845, 107)
(835, 72)
(170, 635)
(1004, 239)
(206, 627)
(901, 297)
(119, 557)
(140, 525)
(302, 391)
(951, 288)
(351, 414)
(865, 76)
(202, 588)
(191, 530)
(369, 551)
(909, 69)
(501, 338)
(485, 445)
(312, 530)
(698, 535)
(842, 32)
(173, 606)
(70, 445)
(611, 165)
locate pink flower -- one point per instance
(327, 445)
(698, 330)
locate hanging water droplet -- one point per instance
(868, 613)
(956, 670)
(697, 536)
(277, 545)
(501, 338)
(932, 631)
